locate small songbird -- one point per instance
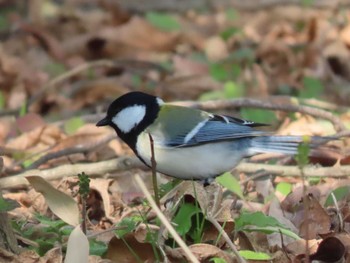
(189, 143)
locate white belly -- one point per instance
(200, 162)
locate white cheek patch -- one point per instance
(129, 117)
(160, 101)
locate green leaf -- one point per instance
(164, 22)
(55, 69)
(84, 184)
(307, 3)
(252, 255)
(312, 88)
(53, 224)
(302, 156)
(224, 71)
(284, 188)
(258, 115)
(23, 109)
(2, 100)
(127, 225)
(218, 72)
(218, 260)
(244, 54)
(339, 193)
(255, 219)
(259, 222)
(27, 163)
(73, 124)
(231, 14)
(167, 187)
(97, 248)
(271, 229)
(229, 32)
(233, 90)
(5, 14)
(231, 183)
(7, 204)
(182, 217)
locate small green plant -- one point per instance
(46, 234)
(84, 190)
(191, 228)
(302, 156)
(312, 88)
(259, 222)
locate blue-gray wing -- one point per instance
(217, 128)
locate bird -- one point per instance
(188, 143)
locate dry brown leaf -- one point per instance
(53, 255)
(188, 87)
(29, 122)
(292, 202)
(315, 221)
(203, 253)
(188, 67)
(126, 40)
(37, 139)
(216, 49)
(90, 138)
(98, 259)
(298, 246)
(191, 189)
(60, 204)
(102, 187)
(143, 231)
(118, 250)
(93, 91)
(276, 212)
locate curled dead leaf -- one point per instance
(60, 204)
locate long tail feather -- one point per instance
(283, 144)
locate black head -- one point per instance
(130, 114)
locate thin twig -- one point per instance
(164, 221)
(99, 169)
(154, 171)
(69, 151)
(83, 215)
(306, 205)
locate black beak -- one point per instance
(103, 122)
